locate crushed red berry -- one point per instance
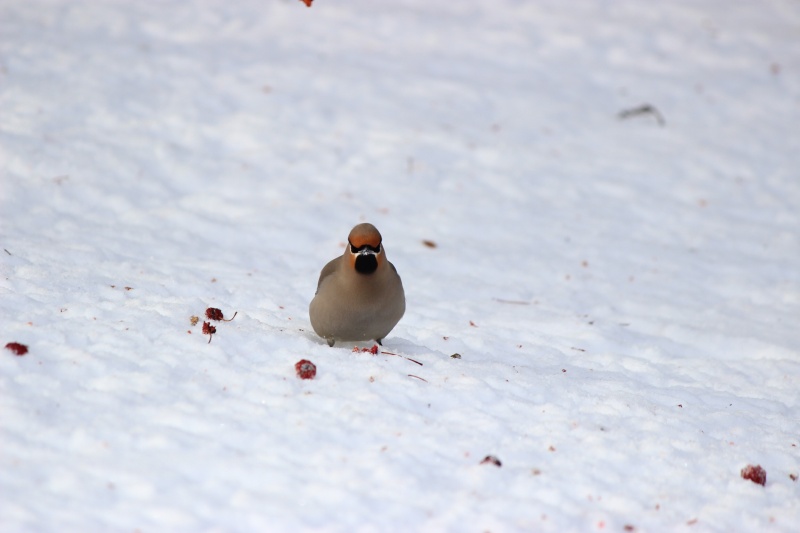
(756, 474)
(17, 348)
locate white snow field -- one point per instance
(624, 294)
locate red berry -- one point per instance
(305, 369)
(17, 348)
(756, 474)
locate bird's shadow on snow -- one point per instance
(394, 346)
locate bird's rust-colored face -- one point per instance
(365, 250)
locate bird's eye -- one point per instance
(373, 249)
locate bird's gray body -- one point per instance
(353, 306)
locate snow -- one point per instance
(634, 288)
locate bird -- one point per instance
(359, 294)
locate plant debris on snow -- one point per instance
(212, 313)
(491, 460)
(644, 109)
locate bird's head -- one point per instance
(365, 250)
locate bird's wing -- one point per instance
(328, 269)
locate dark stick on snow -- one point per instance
(515, 302)
(644, 109)
(404, 357)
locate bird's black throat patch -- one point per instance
(366, 264)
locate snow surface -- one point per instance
(634, 288)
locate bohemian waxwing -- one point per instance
(359, 294)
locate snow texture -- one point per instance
(624, 294)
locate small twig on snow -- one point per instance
(404, 357)
(644, 109)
